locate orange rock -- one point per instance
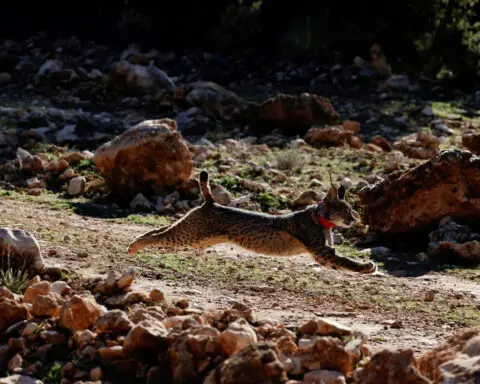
(447, 185)
(151, 155)
(352, 126)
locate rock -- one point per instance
(34, 290)
(329, 353)
(129, 77)
(19, 379)
(79, 313)
(139, 314)
(141, 203)
(325, 327)
(96, 374)
(221, 195)
(46, 305)
(5, 78)
(150, 155)
(328, 136)
(257, 363)
(400, 367)
(464, 346)
(12, 312)
(61, 288)
(454, 241)
(126, 280)
(114, 322)
(20, 249)
(83, 338)
(352, 126)
(323, 376)
(156, 296)
(448, 184)
(463, 369)
(237, 336)
(471, 141)
(109, 354)
(306, 198)
(76, 186)
(146, 340)
(398, 82)
(127, 299)
(381, 142)
(15, 363)
(294, 113)
(189, 349)
(420, 145)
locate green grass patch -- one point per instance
(153, 220)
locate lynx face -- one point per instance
(339, 211)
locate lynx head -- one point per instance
(339, 211)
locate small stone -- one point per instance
(126, 280)
(156, 296)
(237, 336)
(96, 374)
(430, 295)
(396, 324)
(141, 203)
(323, 376)
(15, 363)
(76, 186)
(109, 354)
(29, 329)
(79, 313)
(182, 303)
(324, 327)
(83, 337)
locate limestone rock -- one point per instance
(20, 249)
(257, 363)
(394, 367)
(447, 185)
(12, 312)
(328, 136)
(146, 340)
(77, 185)
(325, 327)
(237, 336)
(471, 141)
(79, 313)
(150, 155)
(454, 241)
(295, 113)
(114, 321)
(420, 145)
(19, 379)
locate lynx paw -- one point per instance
(370, 268)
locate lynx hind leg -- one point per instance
(190, 231)
(326, 256)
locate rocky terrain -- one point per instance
(97, 146)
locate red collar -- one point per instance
(325, 223)
(322, 220)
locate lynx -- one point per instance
(304, 231)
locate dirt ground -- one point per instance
(390, 309)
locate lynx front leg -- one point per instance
(143, 240)
(326, 256)
(327, 232)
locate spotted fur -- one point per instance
(281, 235)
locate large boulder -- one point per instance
(19, 249)
(446, 185)
(294, 114)
(149, 157)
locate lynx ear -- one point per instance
(332, 193)
(356, 215)
(341, 192)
